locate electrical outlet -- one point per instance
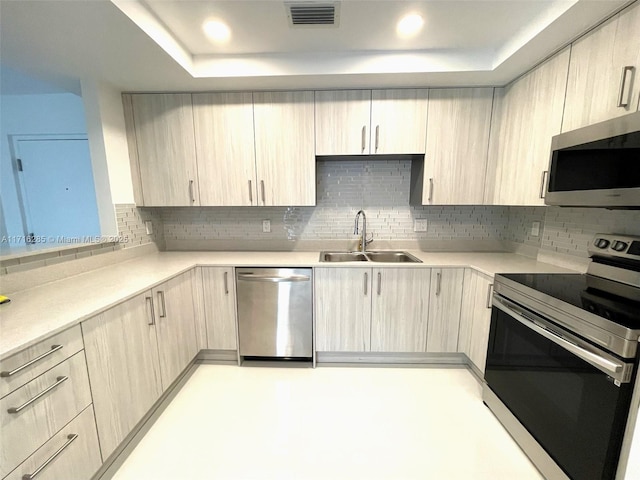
(420, 225)
(535, 229)
(266, 226)
(148, 227)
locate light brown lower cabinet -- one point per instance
(444, 309)
(475, 318)
(219, 301)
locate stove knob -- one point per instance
(619, 246)
(602, 242)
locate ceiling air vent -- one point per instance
(313, 14)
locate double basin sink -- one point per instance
(381, 257)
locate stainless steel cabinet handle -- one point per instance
(191, 197)
(54, 348)
(70, 438)
(543, 183)
(625, 86)
(152, 313)
(59, 381)
(430, 199)
(264, 202)
(252, 277)
(489, 295)
(162, 304)
(364, 137)
(366, 283)
(438, 283)
(379, 283)
(226, 283)
(377, 137)
(250, 193)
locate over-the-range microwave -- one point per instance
(597, 166)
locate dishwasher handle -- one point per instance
(256, 277)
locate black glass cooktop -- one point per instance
(576, 289)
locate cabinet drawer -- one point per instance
(44, 406)
(33, 361)
(71, 454)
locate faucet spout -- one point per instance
(363, 240)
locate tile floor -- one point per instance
(232, 422)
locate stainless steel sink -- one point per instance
(380, 257)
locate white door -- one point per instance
(58, 190)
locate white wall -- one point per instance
(32, 115)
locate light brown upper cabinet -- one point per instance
(163, 153)
(604, 76)
(366, 122)
(455, 162)
(225, 148)
(526, 114)
(284, 141)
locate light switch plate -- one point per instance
(535, 229)
(420, 225)
(266, 226)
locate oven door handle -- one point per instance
(614, 369)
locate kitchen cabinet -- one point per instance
(364, 122)
(475, 318)
(220, 307)
(444, 309)
(527, 113)
(343, 309)
(175, 314)
(400, 309)
(124, 367)
(224, 140)
(603, 78)
(165, 153)
(455, 162)
(284, 145)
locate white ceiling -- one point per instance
(158, 45)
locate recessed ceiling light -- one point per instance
(410, 25)
(217, 30)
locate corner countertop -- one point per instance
(39, 312)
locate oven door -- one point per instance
(572, 397)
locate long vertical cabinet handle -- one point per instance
(250, 193)
(438, 283)
(543, 183)
(379, 283)
(162, 304)
(430, 199)
(377, 137)
(30, 476)
(366, 283)
(264, 202)
(226, 283)
(364, 137)
(625, 86)
(192, 198)
(489, 295)
(152, 313)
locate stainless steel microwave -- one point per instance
(596, 166)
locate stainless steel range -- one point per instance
(562, 362)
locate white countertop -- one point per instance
(34, 314)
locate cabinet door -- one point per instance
(343, 118)
(285, 156)
(398, 121)
(598, 62)
(175, 324)
(400, 309)
(225, 148)
(457, 146)
(124, 367)
(343, 309)
(528, 113)
(475, 317)
(166, 149)
(444, 309)
(220, 307)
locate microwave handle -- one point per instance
(543, 183)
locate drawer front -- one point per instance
(46, 404)
(72, 454)
(38, 359)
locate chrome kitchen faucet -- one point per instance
(363, 240)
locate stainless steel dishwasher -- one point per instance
(275, 312)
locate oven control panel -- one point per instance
(612, 245)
